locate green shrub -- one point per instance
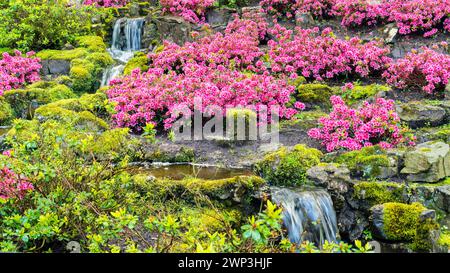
(37, 24)
(367, 162)
(139, 60)
(288, 166)
(24, 101)
(6, 112)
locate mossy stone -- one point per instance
(287, 167)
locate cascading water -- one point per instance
(308, 215)
(126, 40)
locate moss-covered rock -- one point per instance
(83, 119)
(369, 162)
(239, 189)
(288, 166)
(25, 101)
(86, 62)
(374, 193)
(6, 112)
(91, 43)
(242, 122)
(412, 223)
(427, 162)
(314, 93)
(139, 60)
(363, 92)
(67, 55)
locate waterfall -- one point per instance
(126, 40)
(307, 215)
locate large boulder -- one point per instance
(418, 114)
(427, 162)
(55, 67)
(411, 223)
(174, 29)
(219, 17)
(333, 178)
(442, 197)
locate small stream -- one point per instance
(308, 214)
(180, 171)
(126, 40)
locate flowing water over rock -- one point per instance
(180, 171)
(308, 215)
(126, 40)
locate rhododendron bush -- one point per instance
(353, 129)
(215, 68)
(17, 70)
(191, 10)
(319, 8)
(426, 69)
(12, 185)
(148, 97)
(320, 55)
(106, 3)
(358, 12)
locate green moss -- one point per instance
(379, 192)
(86, 62)
(139, 60)
(92, 43)
(100, 59)
(6, 112)
(314, 93)
(84, 119)
(217, 189)
(305, 120)
(24, 101)
(366, 162)
(444, 239)
(363, 92)
(83, 74)
(67, 55)
(288, 166)
(402, 222)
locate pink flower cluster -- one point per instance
(191, 10)
(358, 12)
(353, 129)
(320, 55)
(288, 8)
(106, 3)
(17, 70)
(419, 15)
(237, 47)
(426, 69)
(153, 96)
(12, 185)
(410, 15)
(224, 70)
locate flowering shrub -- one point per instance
(319, 8)
(419, 15)
(426, 69)
(358, 12)
(252, 23)
(106, 3)
(318, 56)
(353, 129)
(12, 186)
(237, 47)
(15, 71)
(191, 10)
(152, 96)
